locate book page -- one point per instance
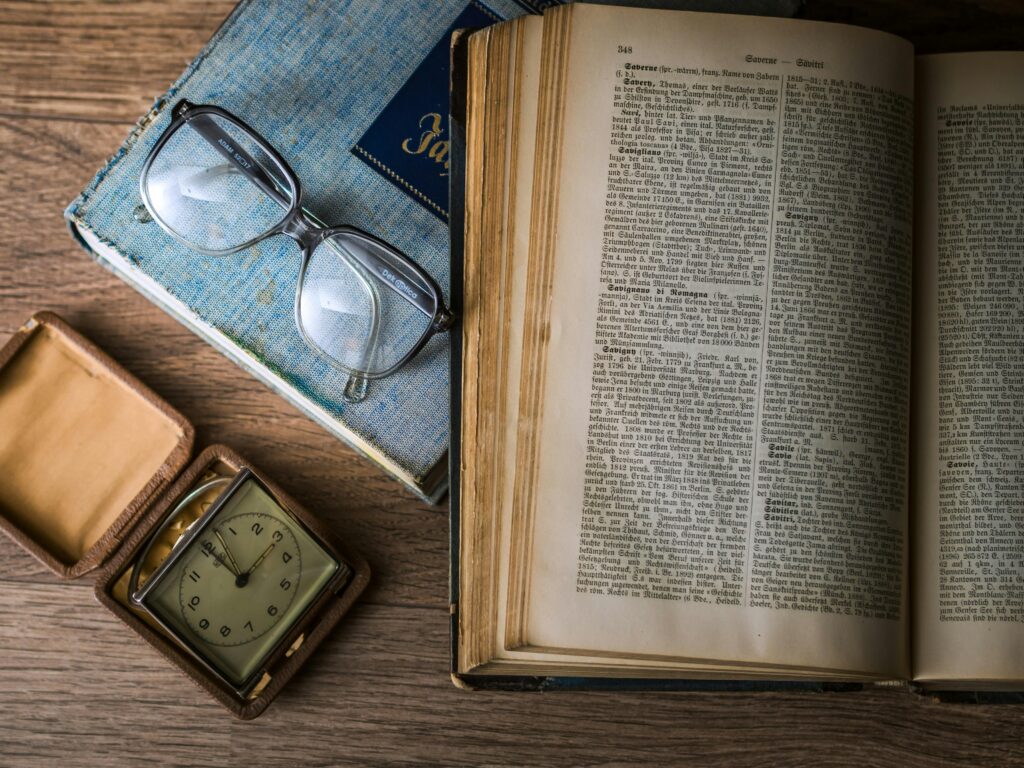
(503, 70)
(721, 458)
(480, 637)
(969, 369)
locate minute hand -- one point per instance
(261, 558)
(234, 565)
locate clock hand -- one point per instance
(234, 565)
(261, 557)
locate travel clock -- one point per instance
(238, 580)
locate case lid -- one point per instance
(84, 446)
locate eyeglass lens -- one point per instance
(197, 185)
(361, 306)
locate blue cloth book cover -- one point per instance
(355, 97)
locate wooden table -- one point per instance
(77, 688)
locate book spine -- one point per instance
(456, 234)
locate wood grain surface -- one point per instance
(78, 689)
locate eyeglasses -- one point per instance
(218, 187)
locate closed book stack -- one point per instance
(355, 96)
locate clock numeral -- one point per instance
(277, 536)
(233, 531)
(272, 610)
(286, 557)
(225, 631)
(285, 584)
(257, 528)
(193, 602)
(208, 549)
(249, 625)
(194, 576)
(204, 624)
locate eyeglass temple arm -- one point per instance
(221, 141)
(392, 275)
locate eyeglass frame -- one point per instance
(302, 226)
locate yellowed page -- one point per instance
(969, 381)
(498, 207)
(518, 233)
(519, 240)
(746, 529)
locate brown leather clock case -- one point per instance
(91, 461)
(311, 631)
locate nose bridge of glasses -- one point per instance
(301, 229)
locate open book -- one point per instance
(743, 371)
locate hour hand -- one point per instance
(227, 551)
(260, 558)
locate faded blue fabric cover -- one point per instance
(311, 77)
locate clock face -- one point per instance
(260, 555)
(242, 582)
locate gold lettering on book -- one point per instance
(430, 142)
